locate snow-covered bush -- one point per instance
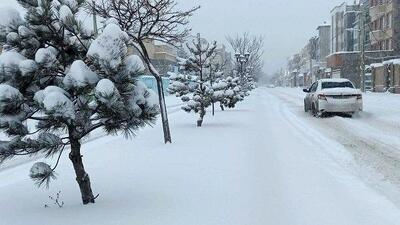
(65, 84)
(233, 92)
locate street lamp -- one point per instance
(247, 56)
(237, 55)
(242, 60)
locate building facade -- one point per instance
(163, 56)
(343, 18)
(344, 60)
(385, 25)
(323, 42)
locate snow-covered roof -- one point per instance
(392, 61)
(374, 65)
(343, 53)
(323, 25)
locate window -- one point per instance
(314, 87)
(389, 20)
(331, 84)
(381, 23)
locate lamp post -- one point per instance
(242, 59)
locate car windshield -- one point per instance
(331, 84)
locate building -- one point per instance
(344, 61)
(162, 56)
(323, 42)
(385, 25)
(343, 18)
(303, 66)
(381, 42)
(345, 65)
(364, 11)
(322, 51)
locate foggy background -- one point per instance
(285, 24)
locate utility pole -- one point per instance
(311, 65)
(312, 53)
(311, 72)
(362, 46)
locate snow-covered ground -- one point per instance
(372, 137)
(266, 162)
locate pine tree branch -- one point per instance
(38, 118)
(58, 158)
(77, 37)
(91, 129)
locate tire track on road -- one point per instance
(377, 156)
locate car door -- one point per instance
(311, 93)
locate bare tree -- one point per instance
(145, 20)
(246, 43)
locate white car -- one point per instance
(333, 96)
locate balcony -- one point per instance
(380, 10)
(379, 35)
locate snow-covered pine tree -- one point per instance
(146, 20)
(10, 19)
(57, 85)
(193, 85)
(216, 74)
(180, 84)
(219, 87)
(233, 93)
(226, 90)
(247, 83)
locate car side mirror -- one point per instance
(306, 90)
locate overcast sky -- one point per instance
(285, 24)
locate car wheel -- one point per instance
(305, 106)
(314, 110)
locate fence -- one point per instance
(151, 83)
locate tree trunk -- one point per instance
(163, 109)
(200, 120)
(213, 108)
(222, 107)
(160, 89)
(81, 176)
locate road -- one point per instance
(372, 137)
(265, 162)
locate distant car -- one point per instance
(271, 86)
(332, 96)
